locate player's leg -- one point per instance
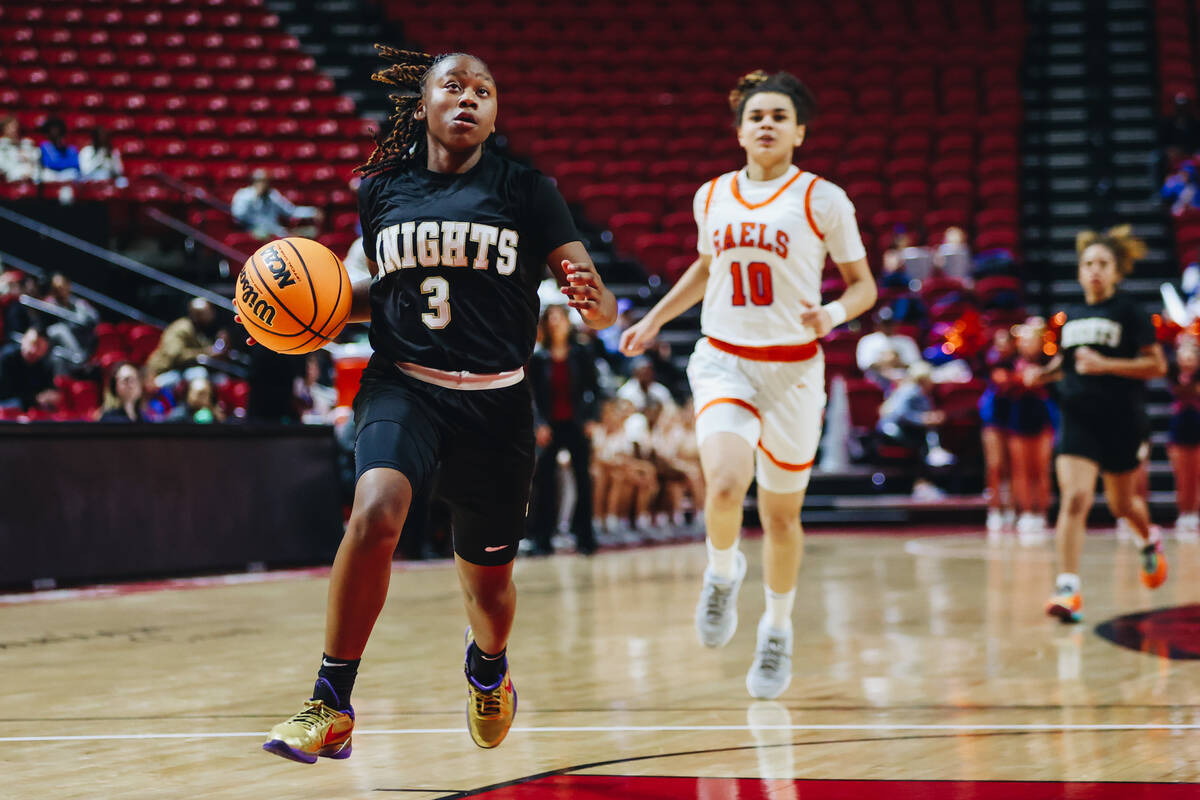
(727, 460)
(1185, 464)
(1076, 489)
(791, 431)
(995, 453)
(396, 449)
(1126, 502)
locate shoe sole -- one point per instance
(782, 689)
(1064, 614)
(284, 750)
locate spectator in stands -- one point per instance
(565, 393)
(18, 156)
(17, 316)
(79, 333)
(642, 387)
(677, 456)
(908, 418)
(184, 341)
(315, 397)
(1182, 189)
(199, 406)
(953, 255)
(622, 479)
(157, 401)
(1181, 131)
(884, 355)
(123, 395)
(26, 377)
(893, 275)
(263, 210)
(59, 160)
(100, 161)
(667, 373)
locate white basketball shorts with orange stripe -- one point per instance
(777, 406)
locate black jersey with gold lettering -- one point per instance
(1117, 328)
(460, 257)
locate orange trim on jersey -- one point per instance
(712, 187)
(784, 464)
(735, 400)
(752, 206)
(777, 352)
(812, 223)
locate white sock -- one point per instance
(660, 519)
(613, 523)
(779, 608)
(1066, 583)
(643, 522)
(723, 563)
(598, 524)
(677, 519)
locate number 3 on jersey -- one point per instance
(438, 315)
(761, 292)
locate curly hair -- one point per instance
(406, 140)
(1126, 248)
(783, 82)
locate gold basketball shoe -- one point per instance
(318, 730)
(490, 709)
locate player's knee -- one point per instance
(726, 490)
(777, 523)
(1077, 502)
(378, 521)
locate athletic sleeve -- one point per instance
(703, 245)
(549, 217)
(1141, 328)
(834, 214)
(366, 203)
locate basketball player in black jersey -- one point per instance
(1108, 352)
(457, 239)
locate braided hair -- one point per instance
(783, 82)
(1125, 247)
(406, 140)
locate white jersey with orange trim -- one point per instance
(768, 241)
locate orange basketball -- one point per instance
(293, 295)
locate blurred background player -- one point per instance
(1184, 432)
(757, 376)
(994, 409)
(445, 394)
(1030, 437)
(1108, 352)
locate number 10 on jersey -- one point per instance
(759, 274)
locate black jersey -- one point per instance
(1117, 328)
(460, 257)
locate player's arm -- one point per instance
(688, 291)
(1148, 363)
(572, 267)
(360, 303)
(859, 297)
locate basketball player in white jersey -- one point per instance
(758, 375)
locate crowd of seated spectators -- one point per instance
(55, 159)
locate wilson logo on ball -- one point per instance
(257, 305)
(279, 268)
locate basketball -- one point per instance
(293, 295)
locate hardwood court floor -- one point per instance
(918, 658)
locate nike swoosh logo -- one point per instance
(494, 549)
(325, 663)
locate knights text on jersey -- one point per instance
(768, 241)
(460, 258)
(1117, 328)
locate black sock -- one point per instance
(335, 681)
(486, 669)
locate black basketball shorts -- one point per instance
(478, 445)
(1105, 435)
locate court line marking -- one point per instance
(651, 729)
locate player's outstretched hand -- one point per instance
(238, 319)
(638, 336)
(816, 318)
